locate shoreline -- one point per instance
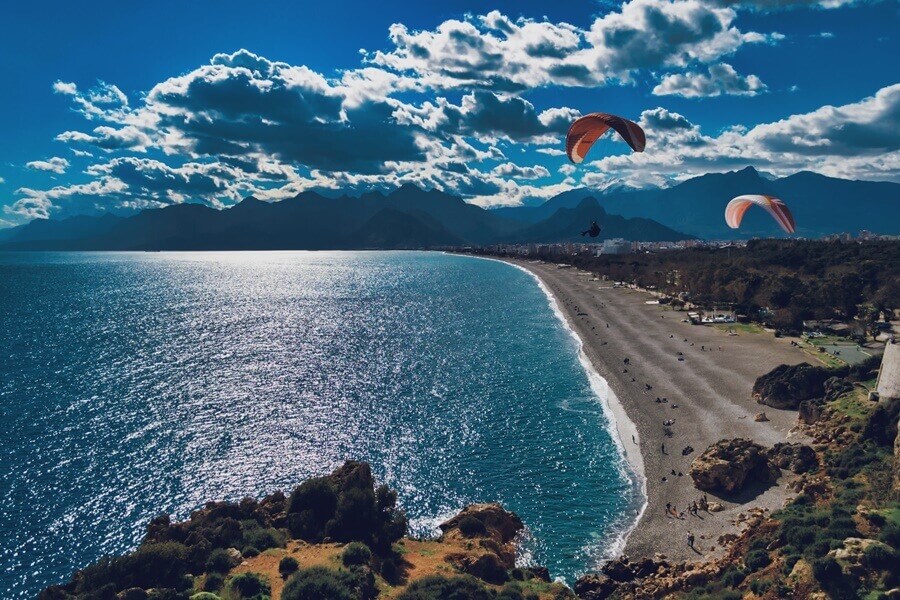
(712, 398)
(620, 426)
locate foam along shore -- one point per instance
(634, 347)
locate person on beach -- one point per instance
(633, 441)
(663, 448)
(668, 508)
(690, 540)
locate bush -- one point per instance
(317, 583)
(249, 585)
(757, 559)
(260, 538)
(205, 596)
(471, 526)
(311, 506)
(219, 561)
(213, 582)
(879, 557)
(430, 588)
(249, 552)
(356, 553)
(827, 571)
(733, 577)
(157, 565)
(288, 566)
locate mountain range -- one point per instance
(821, 205)
(410, 217)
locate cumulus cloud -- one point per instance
(495, 52)
(488, 115)
(517, 172)
(54, 165)
(720, 79)
(858, 140)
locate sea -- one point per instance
(134, 384)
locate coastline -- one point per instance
(712, 399)
(621, 427)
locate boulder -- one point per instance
(619, 570)
(851, 554)
(728, 465)
(497, 520)
(811, 410)
(594, 587)
(715, 507)
(835, 387)
(786, 386)
(761, 417)
(795, 457)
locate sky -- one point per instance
(120, 106)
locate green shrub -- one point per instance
(879, 557)
(430, 588)
(733, 577)
(288, 566)
(219, 561)
(471, 526)
(356, 553)
(311, 506)
(249, 552)
(156, 565)
(261, 538)
(757, 559)
(318, 583)
(826, 570)
(213, 582)
(249, 585)
(205, 596)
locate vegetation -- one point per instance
(287, 566)
(779, 283)
(356, 553)
(319, 582)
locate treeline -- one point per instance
(779, 282)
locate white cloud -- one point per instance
(54, 165)
(857, 141)
(720, 79)
(495, 52)
(517, 172)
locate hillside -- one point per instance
(407, 218)
(820, 205)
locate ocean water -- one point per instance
(133, 384)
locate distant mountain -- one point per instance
(409, 217)
(821, 205)
(566, 225)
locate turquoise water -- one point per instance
(138, 383)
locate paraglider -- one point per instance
(593, 230)
(735, 210)
(588, 129)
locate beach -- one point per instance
(634, 344)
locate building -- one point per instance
(617, 246)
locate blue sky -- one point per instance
(120, 106)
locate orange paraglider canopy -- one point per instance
(589, 128)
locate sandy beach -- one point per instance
(708, 396)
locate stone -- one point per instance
(795, 457)
(496, 519)
(761, 417)
(786, 386)
(728, 465)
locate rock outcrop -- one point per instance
(728, 465)
(497, 521)
(797, 458)
(786, 386)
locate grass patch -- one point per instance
(739, 327)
